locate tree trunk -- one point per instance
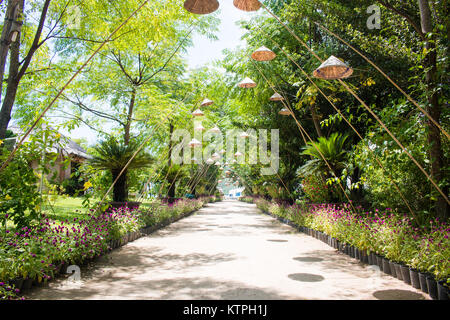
(11, 89)
(316, 120)
(120, 191)
(129, 117)
(434, 109)
(4, 40)
(171, 191)
(15, 75)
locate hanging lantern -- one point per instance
(247, 5)
(215, 130)
(247, 83)
(201, 6)
(263, 54)
(215, 156)
(199, 128)
(195, 143)
(198, 113)
(333, 69)
(285, 112)
(225, 164)
(220, 181)
(210, 161)
(207, 102)
(221, 168)
(244, 135)
(194, 159)
(222, 151)
(234, 160)
(276, 97)
(217, 163)
(238, 154)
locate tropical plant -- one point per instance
(332, 149)
(113, 156)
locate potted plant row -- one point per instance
(419, 280)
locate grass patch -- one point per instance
(64, 207)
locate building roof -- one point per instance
(68, 146)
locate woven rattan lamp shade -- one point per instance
(333, 69)
(199, 128)
(247, 83)
(198, 113)
(263, 54)
(276, 97)
(206, 103)
(215, 130)
(201, 6)
(215, 156)
(247, 5)
(285, 112)
(195, 143)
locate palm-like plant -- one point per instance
(332, 149)
(113, 156)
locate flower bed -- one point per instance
(39, 253)
(387, 234)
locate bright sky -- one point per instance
(203, 52)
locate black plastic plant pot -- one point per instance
(356, 253)
(18, 283)
(414, 275)
(423, 281)
(398, 271)
(432, 287)
(369, 259)
(379, 261)
(373, 258)
(386, 266)
(27, 284)
(443, 292)
(405, 274)
(392, 268)
(365, 257)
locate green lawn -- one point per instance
(66, 208)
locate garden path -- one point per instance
(228, 250)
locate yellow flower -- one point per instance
(1, 142)
(87, 185)
(58, 136)
(369, 82)
(8, 197)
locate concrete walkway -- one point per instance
(228, 250)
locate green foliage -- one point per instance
(114, 156)
(19, 197)
(332, 149)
